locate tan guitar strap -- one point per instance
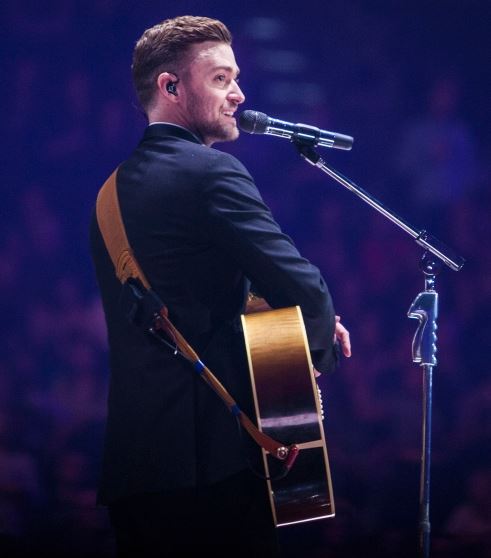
(127, 269)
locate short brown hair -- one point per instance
(164, 46)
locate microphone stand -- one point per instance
(424, 308)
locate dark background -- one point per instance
(410, 81)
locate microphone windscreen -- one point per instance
(253, 122)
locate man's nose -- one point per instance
(236, 94)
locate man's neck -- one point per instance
(177, 126)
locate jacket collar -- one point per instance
(160, 129)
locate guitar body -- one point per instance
(288, 408)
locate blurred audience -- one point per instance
(68, 133)
(437, 158)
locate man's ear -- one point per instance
(166, 84)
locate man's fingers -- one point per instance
(342, 335)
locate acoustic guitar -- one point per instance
(289, 409)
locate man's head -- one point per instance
(184, 71)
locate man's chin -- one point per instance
(233, 131)
(225, 134)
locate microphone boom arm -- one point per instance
(425, 240)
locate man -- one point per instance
(176, 474)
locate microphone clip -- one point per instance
(305, 146)
(307, 135)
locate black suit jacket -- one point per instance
(201, 232)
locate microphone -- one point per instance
(259, 123)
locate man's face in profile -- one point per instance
(211, 92)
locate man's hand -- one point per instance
(341, 334)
